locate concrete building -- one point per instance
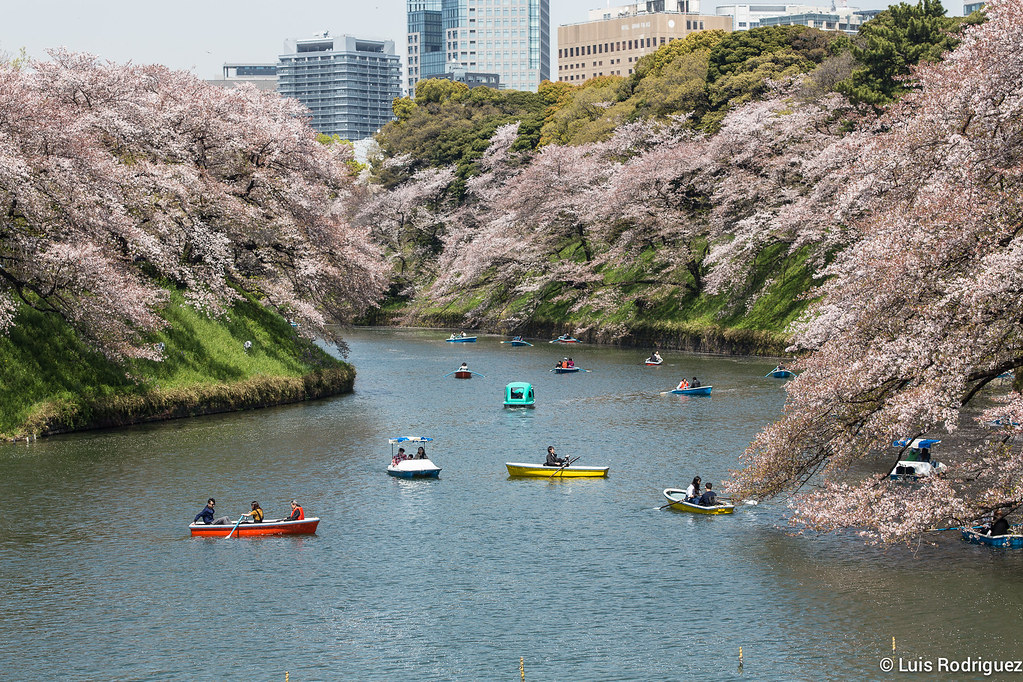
(510, 38)
(262, 76)
(831, 18)
(972, 7)
(347, 83)
(616, 38)
(474, 79)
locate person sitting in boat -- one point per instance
(420, 453)
(654, 357)
(682, 385)
(693, 491)
(297, 513)
(553, 460)
(695, 383)
(464, 367)
(256, 513)
(516, 338)
(1000, 526)
(562, 363)
(400, 457)
(709, 498)
(207, 515)
(571, 363)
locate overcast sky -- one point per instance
(201, 36)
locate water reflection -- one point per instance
(459, 577)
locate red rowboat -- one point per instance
(464, 374)
(304, 527)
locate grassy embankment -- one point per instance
(653, 307)
(50, 382)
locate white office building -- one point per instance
(348, 83)
(831, 18)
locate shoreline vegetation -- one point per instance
(52, 382)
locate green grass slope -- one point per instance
(50, 381)
(640, 304)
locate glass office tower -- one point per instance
(508, 37)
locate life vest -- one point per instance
(301, 513)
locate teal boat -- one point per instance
(519, 394)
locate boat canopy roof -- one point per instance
(409, 439)
(916, 443)
(519, 384)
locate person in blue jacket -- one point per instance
(207, 515)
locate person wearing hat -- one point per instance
(207, 515)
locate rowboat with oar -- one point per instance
(780, 372)
(677, 500)
(460, 338)
(563, 368)
(463, 372)
(699, 390)
(306, 526)
(517, 341)
(654, 359)
(565, 338)
(542, 471)
(1011, 541)
(411, 465)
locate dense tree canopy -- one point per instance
(921, 312)
(892, 43)
(119, 180)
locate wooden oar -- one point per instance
(235, 526)
(561, 468)
(478, 374)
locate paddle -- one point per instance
(235, 526)
(771, 372)
(561, 468)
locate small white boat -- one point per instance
(410, 466)
(917, 462)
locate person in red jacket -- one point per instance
(297, 514)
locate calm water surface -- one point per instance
(459, 578)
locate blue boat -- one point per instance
(566, 370)
(1013, 541)
(410, 466)
(699, 390)
(780, 373)
(519, 394)
(517, 341)
(565, 338)
(461, 338)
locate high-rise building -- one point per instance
(614, 39)
(425, 41)
(347, 83)
(510, 38)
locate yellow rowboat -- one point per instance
(677, 500)
(541, 471)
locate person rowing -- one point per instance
(553, 460)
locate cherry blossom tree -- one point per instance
(118, 179)
(921, 312)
